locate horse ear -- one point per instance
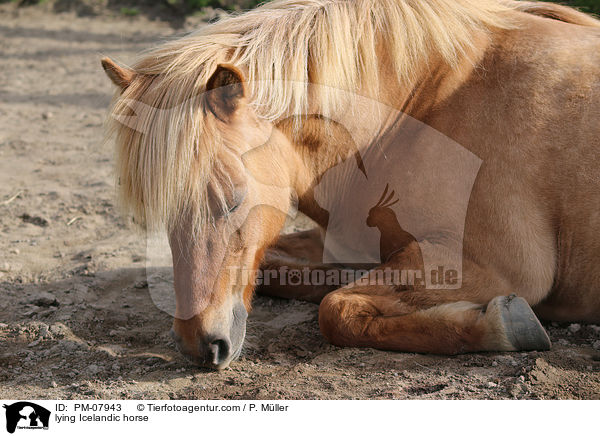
(120, 76)
(225, 90)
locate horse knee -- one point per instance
(344, 317)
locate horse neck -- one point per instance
(434, 82)
(321, 142)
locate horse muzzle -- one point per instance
(213, 346)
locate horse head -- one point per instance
(217, 235)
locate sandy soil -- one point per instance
(76, 317)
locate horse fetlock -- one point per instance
(513, 326)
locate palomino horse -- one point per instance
(221, 132)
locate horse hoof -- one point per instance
(523, 330)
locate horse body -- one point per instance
(521, 98)
(538, 97)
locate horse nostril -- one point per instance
(218, 351)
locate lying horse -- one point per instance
(481, 115)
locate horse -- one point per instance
(485, 111)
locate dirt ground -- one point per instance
(76, 317)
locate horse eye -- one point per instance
(239, 193)
(234, 208)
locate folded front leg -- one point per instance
(436, 321)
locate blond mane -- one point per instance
(167, 152)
